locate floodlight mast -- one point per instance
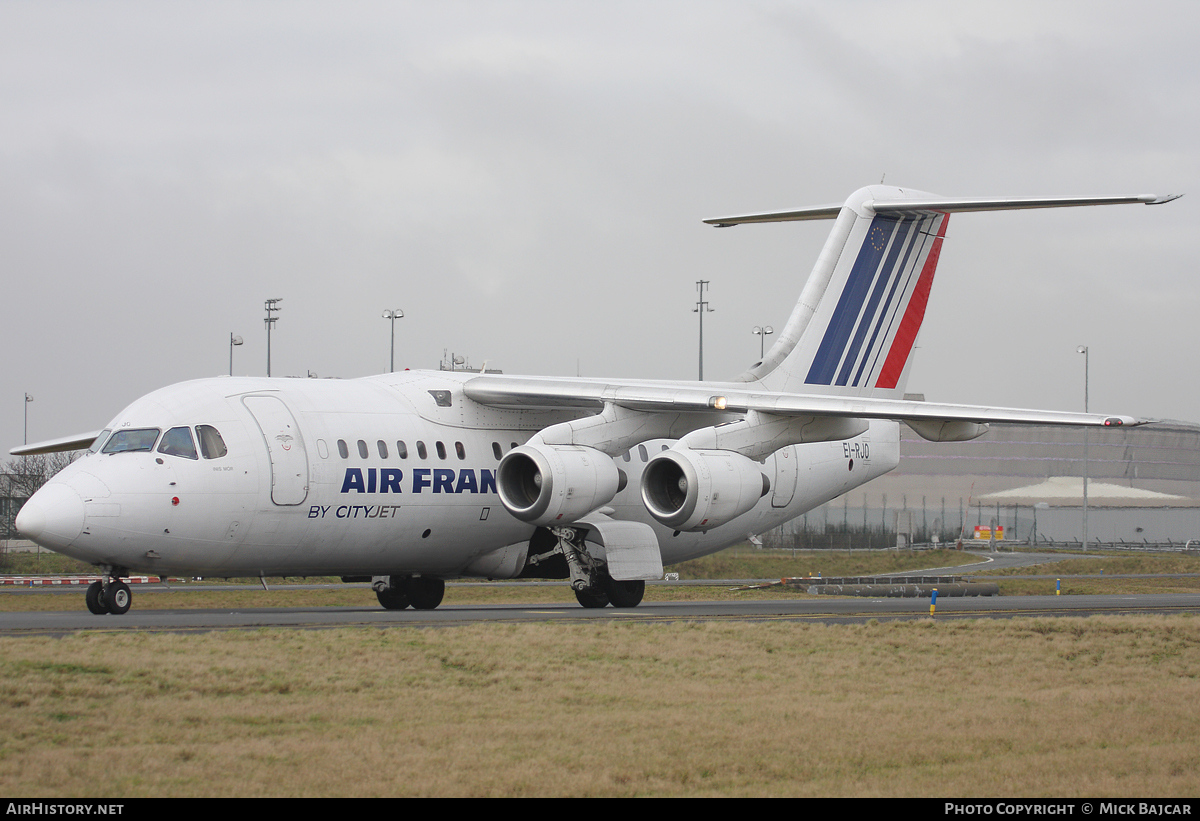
(25, 459)
(1083, 349)
(393, 315)
(233, 340)
(762, 332)
(28, 399)
(702, 309)
(270, 321)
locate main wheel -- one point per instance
(624, 593)
(425, 592)
(392, 598)
(592, 599)
(95, 599)
(119, 598)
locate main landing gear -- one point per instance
(109, 595)
(398, 592)
(593, 587)
(611, 591)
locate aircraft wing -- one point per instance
(587, 394)
(77, 442)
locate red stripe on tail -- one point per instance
(914, 315)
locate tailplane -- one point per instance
(853, 330)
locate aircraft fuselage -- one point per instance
(386, 475)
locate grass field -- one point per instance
(1027, 707)
(1013, 708)
(740, 562)
(737, 563)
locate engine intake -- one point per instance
(556, 484)
(701, 489)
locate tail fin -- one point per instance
(852, 332)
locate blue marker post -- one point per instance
(933, 603)
(1057, 587)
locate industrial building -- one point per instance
(1143, 487)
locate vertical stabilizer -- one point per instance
(854, 328)
(853, 331)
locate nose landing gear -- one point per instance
(109, 595)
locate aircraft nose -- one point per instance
(53, 517)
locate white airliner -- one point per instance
(408, 479)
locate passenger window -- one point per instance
(322, 448)
(460, 450)
(362, 449)
(128, 441)
(666, 447)
(402, 449)
(441, 450)
(496, 450)
(626, 456)
(382, 449)
(642, 453)
(178, 442)
(421, 450)
(514, 444)
(343, 451)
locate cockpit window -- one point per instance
(212, 446)
(178, 442)
(99, 442)
(126, 441)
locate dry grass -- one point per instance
(185, 598)
(1075, 586)
(1110, 563)
(746, 563)
(1041, 707)
(741, 562)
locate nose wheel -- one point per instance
(109, 596)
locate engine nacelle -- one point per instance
(547, 485)
(701, 489)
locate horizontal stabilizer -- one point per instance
(944, 205)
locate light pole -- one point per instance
(762, 333)
(233, 340)
(702, 309)
(1083, 349)
(270, 321)
(393, 316)
(25, 459)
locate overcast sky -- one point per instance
(527, 182)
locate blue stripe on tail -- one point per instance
(849, 307)
(904, 229)
(887, 316)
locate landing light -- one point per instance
(717, 403)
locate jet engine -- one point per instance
(547, 485)
(701, 489)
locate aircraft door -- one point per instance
(289, 460)
(787, 470)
